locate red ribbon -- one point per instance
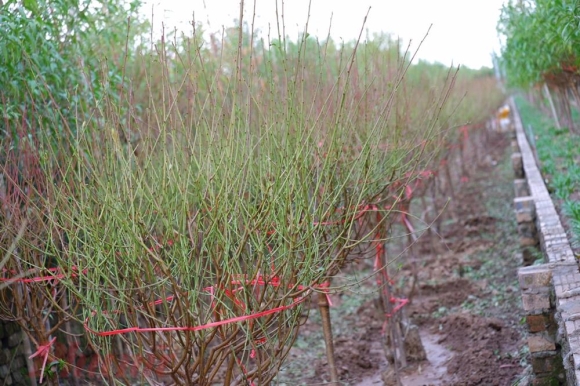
(43, 350)
(38, 279)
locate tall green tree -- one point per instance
(542, 46)
(57, 57)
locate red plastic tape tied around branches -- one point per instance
(43, 350)
(400, 303)
(211, 291)
(56, 275)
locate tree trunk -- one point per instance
(552, 106)
(324, 309)
(564, 107)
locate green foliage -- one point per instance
(572, 210)
(542, 39)
(59, 57)
(557, 151)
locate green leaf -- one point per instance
(30, 5)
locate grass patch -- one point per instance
(557, 152)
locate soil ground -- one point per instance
(466, 303)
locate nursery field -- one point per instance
(248, 209)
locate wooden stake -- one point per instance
(324, 309)
(552, 107)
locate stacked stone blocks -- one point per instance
(539, 305)
(550, 291)
(13, 369)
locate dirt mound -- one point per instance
(356, 350)
(486, 346)
(353, 357)
(439, 297)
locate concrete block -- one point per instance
(539, 342)
(537, 300)
(518, 165)
(570, 310)
(537, 276)
(524, 203)
(541, 322)
(549, 362)
(528, 234)
(570, 327)
(521, 188)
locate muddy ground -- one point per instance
(466, 303)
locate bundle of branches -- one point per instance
(30, 292)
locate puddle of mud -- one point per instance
(432, 372)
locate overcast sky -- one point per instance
(463, 31)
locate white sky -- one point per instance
(463, 31)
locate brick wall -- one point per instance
(550, 291)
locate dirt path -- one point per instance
(467, 303)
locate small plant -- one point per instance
(572, 210)
(563, 185)
(55, 367)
